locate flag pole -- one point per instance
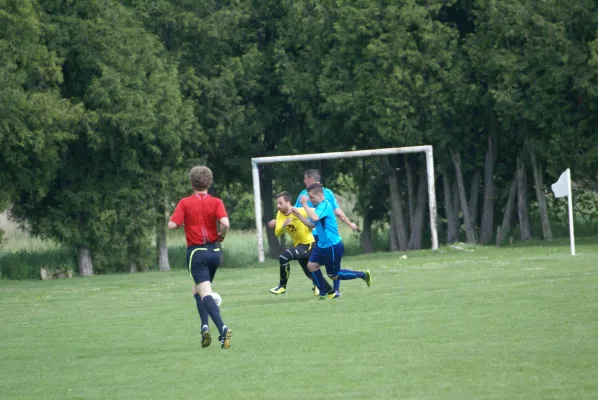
(570, 203)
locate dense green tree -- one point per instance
(132, 131)
(368, 74)
(36, 125)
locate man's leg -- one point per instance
(302, 254)
(348, 274)
(318, 277)
(285, 271)
(337, 274)
(206, 338)
(211, 258)
(338, 250)
(308, 274)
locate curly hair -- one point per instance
(201, 177)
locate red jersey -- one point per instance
(199, 212)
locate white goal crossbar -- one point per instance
(343, 154)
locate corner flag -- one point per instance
(562, 188)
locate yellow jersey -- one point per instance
(300, 233)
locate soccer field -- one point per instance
(510, 323)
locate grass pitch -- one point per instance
(478, 323)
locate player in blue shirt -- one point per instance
(312, 176)
(329, 248)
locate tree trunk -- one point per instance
(396, 204)
(456, 207)
(474, 196)
(266, 188)
(415, 239)
(366, 236)
(133, 267)
(452, 232)
(487, 228)
(539, 186)
(410, 191)
(524, 226)
(161, 243)
(84, 261)
(507, 217)
(136, 249)
(394, 239)
(469, 228)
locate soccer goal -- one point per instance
(343, 154)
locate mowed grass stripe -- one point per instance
(509, 323)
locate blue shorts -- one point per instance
(203, 261)
(330, 257)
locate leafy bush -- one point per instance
(241, 211)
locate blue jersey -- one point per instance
(328, 195)
(326, 225)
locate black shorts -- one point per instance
(300, 253)
(203, 261)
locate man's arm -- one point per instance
(272, 224)
(224, 227)
(338, 211)
(279, 228)
(311, 213)
(303, 218)
(343, 217)
(178, 216)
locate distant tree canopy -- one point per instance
(104, 106)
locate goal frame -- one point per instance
(256, 161)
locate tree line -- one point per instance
(105, 104)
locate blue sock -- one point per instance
(326, 284)
(214, 311)
(336, 283)
(319, 281)
(203, 313)
(347, 274)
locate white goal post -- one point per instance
(343, 154)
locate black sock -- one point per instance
(214, 311)
(285, 272)
(203, 313)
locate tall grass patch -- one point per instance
(238, 250)
(25, 264)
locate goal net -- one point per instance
(255, 162)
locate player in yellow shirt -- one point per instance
(303, 240)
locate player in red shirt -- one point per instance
(199, 213)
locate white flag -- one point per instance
(561, 187)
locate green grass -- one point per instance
(487, 323)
